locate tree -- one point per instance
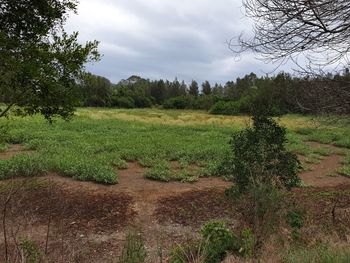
(96, 90)
(218, 90)
(314, 35)
(206, 89)
(39, 62)
(194, 89)
(174, 89)
(158, 91)
(291, 29)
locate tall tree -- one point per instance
(96, 90)
(218, 90)
(39, 62)
(206, 88)
(194, 89)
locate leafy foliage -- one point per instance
(259, 156)
(39, 61)
(220, 240)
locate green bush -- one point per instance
(220, 240)
(226, 108)
(259, 156)
(176, 103)
(247, 243)
(160, 172)
(295, 219)
(123, 102)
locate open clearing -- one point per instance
(117, 148)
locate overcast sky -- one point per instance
(165, 38)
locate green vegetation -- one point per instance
(220, 239)
(317, 254)
(259, 157)
(94, 144)
(134, 250)
(40, 62)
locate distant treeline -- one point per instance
(274, 95)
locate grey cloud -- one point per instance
(165, 38)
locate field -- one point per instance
(153, 169)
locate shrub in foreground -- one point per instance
(259, 156)
(220, 239)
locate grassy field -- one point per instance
(98, 142)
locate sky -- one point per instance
(164, 39)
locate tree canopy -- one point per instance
(40, 63)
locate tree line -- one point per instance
(276, 95)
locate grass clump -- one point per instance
(161, 172)
(22, 165)
(318, 254)
(192, 250)
(134, 250)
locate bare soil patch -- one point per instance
(14, 149)
(195, 207)
(41, 199)
(324, 174)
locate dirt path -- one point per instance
(145, 194)
(14, 149)
(324, 173)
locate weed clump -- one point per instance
(134, 250)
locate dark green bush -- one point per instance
(259, 156)
(226, 108)
(176, 103)
(220, 240)
(296, 219)
(123, 102)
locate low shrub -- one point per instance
(220, 240)
(123, 102)
(226, 108)
(176, 103)
(160, 172)
(259, 156)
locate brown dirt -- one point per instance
(101, 212)
(14, 149)
(324, 174)
(96, 216)
(195, 207)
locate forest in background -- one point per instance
(276, 95)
